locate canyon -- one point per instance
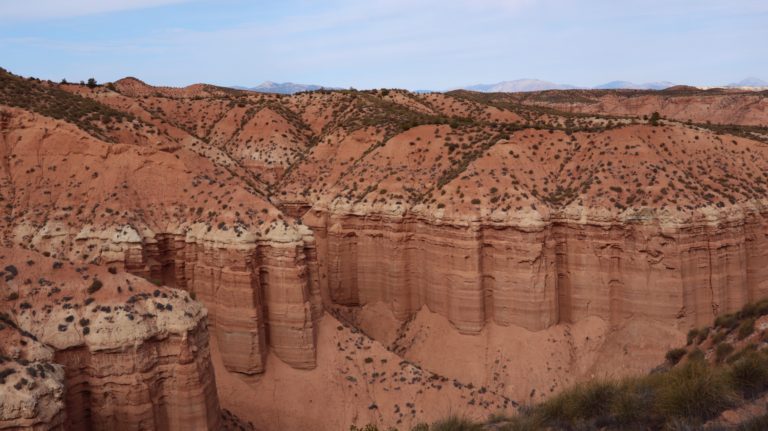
(343, 257)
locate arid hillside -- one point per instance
(378, 256)
(682, 103)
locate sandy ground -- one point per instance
(358, 381)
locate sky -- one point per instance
(413, 44)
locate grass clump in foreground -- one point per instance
(689, 394)
(683, 395)
(675, 355)
(452, 423)
(759, 423)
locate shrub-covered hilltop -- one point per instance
(718, 381)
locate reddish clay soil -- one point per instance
(358, 257)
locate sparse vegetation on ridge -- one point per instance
(46, 99)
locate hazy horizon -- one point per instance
(425, 45)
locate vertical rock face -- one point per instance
(462, 271)
(291, 301)
(228, 280)
(160, 384)
(131, 355)
(256, 290)
(560, 271)
(260, 290)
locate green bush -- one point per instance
(694, 391)
(759, 423)
(693, 335)
(96, 284)
(749, 348)
(696, 355)
(719, 337)
(675, 355)
(749, 374)
(722, 351)
(369, 427)
(654, 120)
(703, 334)
(588, 400)
(633, 401)
(755, 309)
(522, 423)
(727, 321)
(455, 423)
(746, 328)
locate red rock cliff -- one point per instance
(546, 272)
(131, 355)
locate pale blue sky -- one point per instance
(415, 44)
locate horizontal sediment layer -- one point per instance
(534, 276)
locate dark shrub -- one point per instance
(749, 374)
(96, 284)
(746, 328)
(722, 351)
(675, 355)
(694, 391)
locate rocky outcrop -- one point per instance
(261, 292)
(31, 386)
(536, 275)
(32, 403)
(160, 384)
(258, 290)
(131, 355)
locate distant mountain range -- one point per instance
(515, 86)
(284, 87)
(749, 82)
(613, 85)
(518, 86)
(523, 85)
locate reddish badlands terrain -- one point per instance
(201, 257)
